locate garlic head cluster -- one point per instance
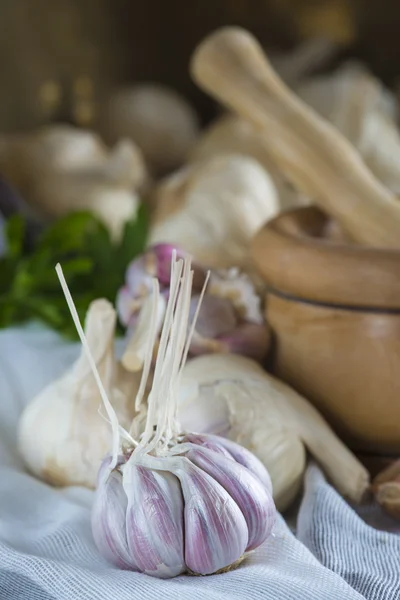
(230, 317)
(171, 502)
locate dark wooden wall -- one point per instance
(57, 57)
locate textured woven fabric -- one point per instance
(46, 546)
(367, 558)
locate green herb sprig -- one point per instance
(93, 265)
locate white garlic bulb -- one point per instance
(230, 134)
(60, 168)
(158, 119)
(364, 112)
(62, 436)
(212, 209)
(234, 396)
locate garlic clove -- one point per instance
(216, 534)
(240, 454)
(216, 317)
(206, 442)
(155, 262)
(138, 278)
(251, 496)
(236, 286)
(154, 521)
(248, 339)
(158, 263)
(108, 518)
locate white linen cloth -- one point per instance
(46, 546)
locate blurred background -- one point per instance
(58, 57)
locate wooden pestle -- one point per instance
(232, 67)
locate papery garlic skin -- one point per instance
(213, 208)
(251, 496)
(154, 521)
(216, 534)
(61, 435)
(196, 510)
(230, 134)
(109, 517)
(240, 454)
(268, 418)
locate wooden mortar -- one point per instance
(334, 308)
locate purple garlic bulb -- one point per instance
(230, 318)
(168, 503)
(196, 509)
(155, 262)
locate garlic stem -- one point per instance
(189, 340)
(150, 343)
(152, 312)
(109, 408)
(157, 388)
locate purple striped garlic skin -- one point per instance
(239, 454)
(155, 262)
(154, 521)
(251, 496)
(216, 534)
(109, 518)
(198, 509)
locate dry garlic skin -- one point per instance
(61, 442)
(196, 509)
(62, 436)
(215, 208)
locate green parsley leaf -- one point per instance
(94, 267)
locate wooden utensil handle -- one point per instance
(314, 156)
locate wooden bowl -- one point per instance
(334, 308)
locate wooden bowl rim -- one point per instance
(295, 261)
